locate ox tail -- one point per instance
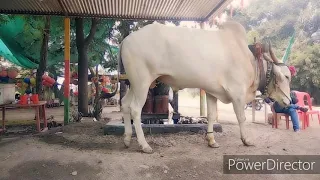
(109, 95)
(119, 64)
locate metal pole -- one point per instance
(202, 92)
(254, 110)
(66, 70)
(265, 112)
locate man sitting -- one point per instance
(290, 110)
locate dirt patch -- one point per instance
(177, 156)
(82, 147)
(52, 170)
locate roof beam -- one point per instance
(99, 16)
(122, 9)
(63, 7)
(214, 9)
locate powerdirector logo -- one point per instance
(271, 164)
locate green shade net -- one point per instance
(11, 38)
(21, 41)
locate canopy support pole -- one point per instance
(202, 92)
(66, 70)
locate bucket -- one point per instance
(23, 99)
(148, 106)
(35, 98)
(161, 104)
(7, 93)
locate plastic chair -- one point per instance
(310, 112)
(277, 117)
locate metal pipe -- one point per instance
(202, 92)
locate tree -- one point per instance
(24, 34)
(278, 21)
(89, 47)
(43, 57)
(307, 63)
(82, 47)
(34, 32)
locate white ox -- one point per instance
(218, 62)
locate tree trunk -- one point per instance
(125, 31)
(82, 47)
(96, 98)
(43, 57)
(83, 81)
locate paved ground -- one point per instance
(82, 150)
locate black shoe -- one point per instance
(303, 109)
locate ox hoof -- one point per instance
(214, 145)
(127, 142)
(246, 142)
(147, 150)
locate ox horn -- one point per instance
(273, 57)
(267, 58)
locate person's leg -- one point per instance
(294, 118)
(296, 107)
(278, 109)
(293, 106)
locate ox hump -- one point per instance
(233, 26)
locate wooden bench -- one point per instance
(41, 105)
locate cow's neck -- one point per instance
(263, 77)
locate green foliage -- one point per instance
(24, 33)
(307, 62)
(277, 20)
(251, 35)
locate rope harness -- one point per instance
(264, 77)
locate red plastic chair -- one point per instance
(277, 117)
(310, 112)
(302, 115)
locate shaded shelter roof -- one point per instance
(181, 10)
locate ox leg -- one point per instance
(212, 117)
(238, 105)
(125, 108)
(139, 99)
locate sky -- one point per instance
(224, 16)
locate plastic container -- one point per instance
(148, 106)
(7, 93)
(23, 99)
(35, 98)
(161, 104)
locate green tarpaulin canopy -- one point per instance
(10, 49)
(21, 40)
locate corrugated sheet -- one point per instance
(194, 10)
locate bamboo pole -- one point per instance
(66, 70)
